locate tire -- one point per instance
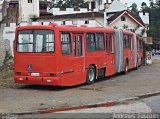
(126, 67)
(91, 75)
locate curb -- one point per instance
(106, 104)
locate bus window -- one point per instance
(130, 42)
(49, 43)
(35, 41)
(91, 44)
(80, 46)
(66, 43)
(126, 41)
(77, 45)
(74, 45)
(109, 44)
(99, 41)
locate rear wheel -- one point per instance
(91, 75)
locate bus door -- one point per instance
(78, 52)
(110, 54)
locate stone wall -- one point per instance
(1, 47)
(4, 45)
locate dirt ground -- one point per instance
(16, 98)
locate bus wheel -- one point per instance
(91, 75)
(126, 67)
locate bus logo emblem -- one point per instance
(29, 67)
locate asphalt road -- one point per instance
(153, 103)
(149, 105)
(156, 57)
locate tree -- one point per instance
(145, 8)
(134, 8)
(71, 4)
(154, 29)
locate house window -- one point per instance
(93, 5)
(29, 1)
(144, 13)
(123, 18)
(64, 22)
(86, 22)
(99, 2)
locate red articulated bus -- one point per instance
(68, 55)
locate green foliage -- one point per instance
(71, 4)
(8, 57)
(115, 27)
(6, 64)
(125, 26)
(143, 31)
(154, 16)
(134, 8)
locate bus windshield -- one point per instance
(37, 41)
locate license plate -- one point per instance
(34, 74)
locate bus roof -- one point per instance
(68, 28)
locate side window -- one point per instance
(130, 42)
(80, 46)
(126, 41)
(99, 41)
(77, 45)
(50, 43)
(91, 44)
(66, 43)
(109, 44)
(74, 45)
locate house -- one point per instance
(101, 5)
(98, 5)
(122, 20)
(91, 19)
(15, 12)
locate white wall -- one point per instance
(97, 5)
(57, 11)
(144, 17)
(0, 12)
(130, 23)
(96, 22)
(9, 34)
(28, 10)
